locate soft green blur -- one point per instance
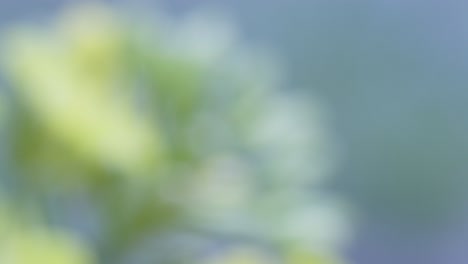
(165, 142)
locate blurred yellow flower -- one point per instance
(24, 241)
(42, 247)
(302, 256)
(242, 255)
(87, 113)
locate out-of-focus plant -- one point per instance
(23, 241)
(170, 143)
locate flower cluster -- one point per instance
(171, 135)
